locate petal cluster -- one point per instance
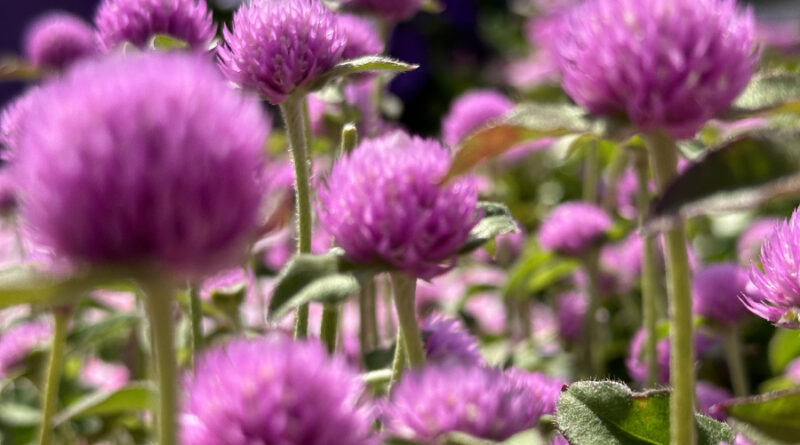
(384, 204)
(18, 341)
(362, 37)
(148, 158)
(665, 65)
(273, 391)
(276, 47)
(56, 40)
(448, 343)
(573, 227)
(471, 111)
(716, 290)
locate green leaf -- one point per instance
(608, 413)
(528, 122)
(109, 326)
(18, 415)
(783, 348)
(740, 174)
(770, 93)
(16, 69)
(379, 377)
(754, 435)
(164, 42)
(775, 415)
(24, 285)
(360, 65)
(432, 6)
(459, 438)
(529, 437)
(136, 396)
(328, 289)
(497, 220)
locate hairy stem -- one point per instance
(733, 353)
(404, 295)
(54, 368)
(330, 323)
(591, 332)
(368, 316)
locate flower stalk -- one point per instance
(733, 354)
(409, 333)
(55, 366)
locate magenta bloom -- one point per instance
(18, 341)
(543, 388)
(273, 391)
(750, 241)
(571, 308)
(709, 395)
(276, 47)
(56, 40)
(573, 227)
(103, 168)
(637, 367)
(137, 21)
(774, 293)
(13, 121)
(471, 111)
(615, 59)
(389, 10)
(362, 37)
(383, 204)
(483, 402)
(793, 371)
(448, 343)
(716, 291)
(106, 376)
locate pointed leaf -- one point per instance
(775, 415)
(97, 332)
(328, 289)
(783, 348)
(604, 412)
(769, 94)
(742, 173)
(497, 220)
(360, 65)
(164, 42)
(136, 396)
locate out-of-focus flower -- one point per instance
(716, 291)
(532, 71)
(383, 204)
(137, 21)
(750, 241)
(57, 40)
(278, 47)
(106, 376)
(793, 371)
(637, 367)
(448, 343)
(103, 172)
(571, 310)
(542, 387)
(389, 10)
(573, 227)
(508, 247)
(488, 311)
(781, 35)
(472, 111)
(18, 341)
(709, 395)
(273, 390)
(13, 121)
(362, 37)
(615, 59)
(483, 402)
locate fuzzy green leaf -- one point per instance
(774, 415)
(360, 65)
(497, 220)
(783, 348)
(136, 396)
(771, 93)
(24, 285)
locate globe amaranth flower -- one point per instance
(716, 290)
(389, 10)
(137, 21)
(448, 343)
(637, 366)
(18, 341)
(542, 387)
(574, 227)
(483, 402)
(276, 47)
(362, 37)
(750, 241)
(709, 395)
(666, 65)
(106, 376)
(149, 158)
(471, 111)
(774, 293)
(273, 390)
(383, 204)
(57, 40)
(571, 308)
(13, 121)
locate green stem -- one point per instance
(159, 297)
(615, 171)
(368, 316)
(733, 353)
(196, 313)
(649, 277)
(404, 295)
(296, 124)
(591, 331)
(330, 322)
(664, 163)
(400, 358)
(54, 368)
(591, 169)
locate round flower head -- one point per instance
(542, 388)
(716, 291)
(106, 376)
(383, 203)
(13, 121)
(472, 111)
(18, 341)
(448, 343)
(637, 367)
(749, 244)
(573, 227)
(58, 39)
(148, 158)
(137, 21)
(774, 293)
(278, 46)
(389, 10)
(666, 65)
(362, 37)
(483, 402)
(273, 391)
(709, 395)
(571, 311)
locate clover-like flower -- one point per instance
(57, 40)
(574, 227)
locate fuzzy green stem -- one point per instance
(349, 138)
(616, 169)
(296, 124)
(368, 316)
(196, 316)
(158, 298)
(649, 277)
(404, 294)
(591, 354)
(591, 169)
(664, 164)
(54, 368)
(733, 353)
(330, 322)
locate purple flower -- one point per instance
(571, 310)
(389, 10)
(273, 390)
(448, 343)
(56, 40)
(716, 291)
(637, 366)
(362, 37)
(483, 402)
(709, 395)
(106, 376)
(18, 341)
(8, 192)
(542, 388)
(616, 59)
(383, 204)
(137, 21)
(508, 247)
(276, 47)
(471, 111)
(750, 241)
(774, 293)
(573, 227)
(13, 121)
(793, 371)
(624, 261)
(146, 158)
